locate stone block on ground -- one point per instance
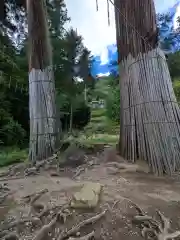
(88, 196)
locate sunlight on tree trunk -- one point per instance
(150, 128)
(44, 124)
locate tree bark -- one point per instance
(44, 123)
(150, 128)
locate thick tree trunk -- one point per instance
(150, 128)
(44, 124)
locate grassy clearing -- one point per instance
(10, 156)
(101, 139)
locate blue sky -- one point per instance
(93, 26)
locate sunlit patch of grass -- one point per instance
(95, 139)
(98, 112)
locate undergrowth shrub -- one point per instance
(11, 155)
(11, 132)
(113, 105)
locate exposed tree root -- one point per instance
(3, 198)
(77, 228)
(30, 171)
(34, 221)
(3, 233)
(34, 198)
(34, 170)
(38, 195)
(4, 174)
(78, 172)
(86, 237)
(43, 209)
(50, 160)
(47, 209)
(48, 228)
(152, 228)
(3, 187)
(11, 236)
(9, 178)
(30, 196)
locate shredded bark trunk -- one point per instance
(150, 127)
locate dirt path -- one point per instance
(148, 191)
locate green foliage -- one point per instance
(12, 133)
(67, 51)
(113, 105)
(81, 113)
(176, 86)
(174, 64)
(10, 156)
(13, 97)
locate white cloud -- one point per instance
(92, 25)
(103, 74)
(176, 16)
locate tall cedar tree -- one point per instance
(150, 128)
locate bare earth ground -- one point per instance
(119, 185)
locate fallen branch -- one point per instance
(77, 228)
(86, 237)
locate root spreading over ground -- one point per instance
(35, 202)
